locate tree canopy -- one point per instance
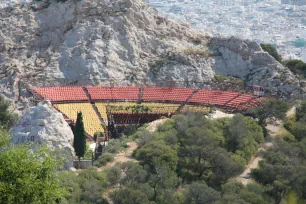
(157, 150)
(129, 196)
(202, 149)
(272, 107)
(272, 51)
(282, 170)
(296, 66)
(26, 175)
(199, 192)
(7, 118)
(301, 111)
(86, 187)
(193, 159)
(79, 142)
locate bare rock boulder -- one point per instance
(43, 125)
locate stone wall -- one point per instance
(83, 164)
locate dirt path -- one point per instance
(245, 177)
(153, 125)
(122, 156)
(127, 155)
(291, 112)
(219, 114)
(274, 128)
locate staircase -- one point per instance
(180, 108)
(141, 90)
(225, 104)
(93, 105)
(87, 94)
(98, 113)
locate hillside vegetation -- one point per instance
(283, 170)
(190, 157)
(298, 67)
(26, 175)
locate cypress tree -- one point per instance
(79, 142)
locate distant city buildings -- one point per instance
(294, 2)
(279, 22)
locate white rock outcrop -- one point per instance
(43, 125)
(246, 60)
(90, 41)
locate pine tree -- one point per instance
(79, 142)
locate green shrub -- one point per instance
(197, 51)
(219, 77)
(301, 112)
(104, 159)
(114, 146)
(7, 118)
(88, 154)
(272, 51)
(296, 66)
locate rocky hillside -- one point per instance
(42, 124)
(90, 41)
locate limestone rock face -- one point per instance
(246, 60)
(90, 41)
(43, 125)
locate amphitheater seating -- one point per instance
(223, 97)
(253, 102)
(213, 97)
(196, 109)
(102, 107)
(162, 107)
(136, 118)
(162, 102)
(166, 94)
(62, 93)
(156, 108)
(99, 93)
(238, 101)
(91, 121)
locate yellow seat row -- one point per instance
(195, 109)
(91, 121)
(162, 107)
(155, 107)
(103, 106)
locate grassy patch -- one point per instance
(197, 51)
(285, 134)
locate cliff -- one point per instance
(92, 41)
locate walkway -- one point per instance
(273, 128)
(122, 156)
(127, 155)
